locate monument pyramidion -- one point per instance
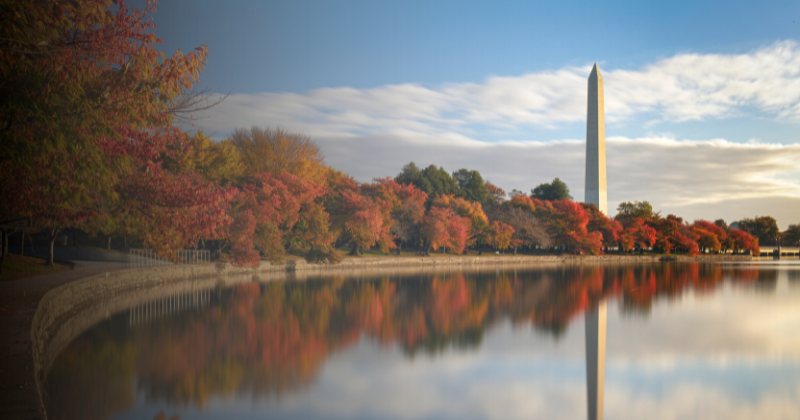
(596, 144)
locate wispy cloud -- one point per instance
(679, 88)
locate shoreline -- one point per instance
(79, 299)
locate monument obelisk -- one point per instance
(596, 144)
(596, 194)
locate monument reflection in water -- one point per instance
(684, 341)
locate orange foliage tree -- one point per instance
(275, 203)
(441, 227)
(471, 211)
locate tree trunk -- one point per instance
(22, 243)
(398, 248)
(109, 242)
(53, 235)
(425, 249)
(354, 251)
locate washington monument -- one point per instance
(596, 144)
(596, 194)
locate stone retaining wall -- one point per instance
(377, 262)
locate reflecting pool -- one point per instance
(671, 341)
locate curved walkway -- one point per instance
(19, 397)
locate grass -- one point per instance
(18, 266)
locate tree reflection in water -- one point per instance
(263, 340)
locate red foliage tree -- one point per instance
(407, 216)
(568, 225)
(599, 222)
(672, 234)
(275, 203)
(442, 228)
(709, 235)
(637, 234)
(361, 214)
(743, 241)
(471, 211)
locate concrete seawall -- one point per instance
(72, 308)
(532, 260)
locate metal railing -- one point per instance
(168, 305)
(141, 258)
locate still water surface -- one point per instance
(683, 341)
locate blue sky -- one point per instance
(500, 87)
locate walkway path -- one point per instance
(19, 398)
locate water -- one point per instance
(683, 341)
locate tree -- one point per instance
(217, 162)
(411, 174)
(556, 190)
(523, 202)
(568, 227)
(627, 211)
(361, 213)
(637, 234)
(408, 211)
(495, 195)
(441, 227)
(792, 235)
(499, 235)
(471, 211)
(275, 150)
(672, 234)
(743, 241)
(431, 180)
(275, 203)
(765, 228)
(471, 185)
(519, 214)
(710, 236)
(599, 222)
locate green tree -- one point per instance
(627, 211)
(471, 185)
(792, 235)
(432, 180)
(765, 228)
(556, 190)
(411, 174)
